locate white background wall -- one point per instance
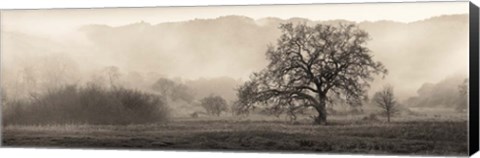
(81, 153)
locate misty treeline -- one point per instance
(38, 98)
(451, 92)
(90, 104)
(55, 95)
(310, 70)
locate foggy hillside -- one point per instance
(231, 47)
(244, 40)
(444, 94)
(422, 51)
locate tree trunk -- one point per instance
(321, 119)
(388, 117)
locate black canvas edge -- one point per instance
(474, 80)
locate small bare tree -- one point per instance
(463, 96)
(385, 99)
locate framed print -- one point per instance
(359, 78)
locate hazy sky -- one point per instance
(59, 21)
(60, 25)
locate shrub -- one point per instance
(87, 105)
(214, 105)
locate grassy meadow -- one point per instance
(428, 136)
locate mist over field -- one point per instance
(232, 47)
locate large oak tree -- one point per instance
(308, 66)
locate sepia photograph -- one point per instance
(359, 78)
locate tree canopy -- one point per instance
(309, 65)
(214, 105)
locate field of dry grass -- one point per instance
(401, 137)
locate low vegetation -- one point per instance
(90, 104)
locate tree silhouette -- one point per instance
(214, 105)
(311, 63)
(463, 96)
(385, 99)
(113, 74)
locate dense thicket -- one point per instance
(89, 104)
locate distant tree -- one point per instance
(173, 90)
(164, 86)
(463, 88)
(29, 77)
(309, 64)
(385, 99)
(56, 70)
(113, 74)
(463, 96)
(4, 97)
(26, 82)
(214, 105)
